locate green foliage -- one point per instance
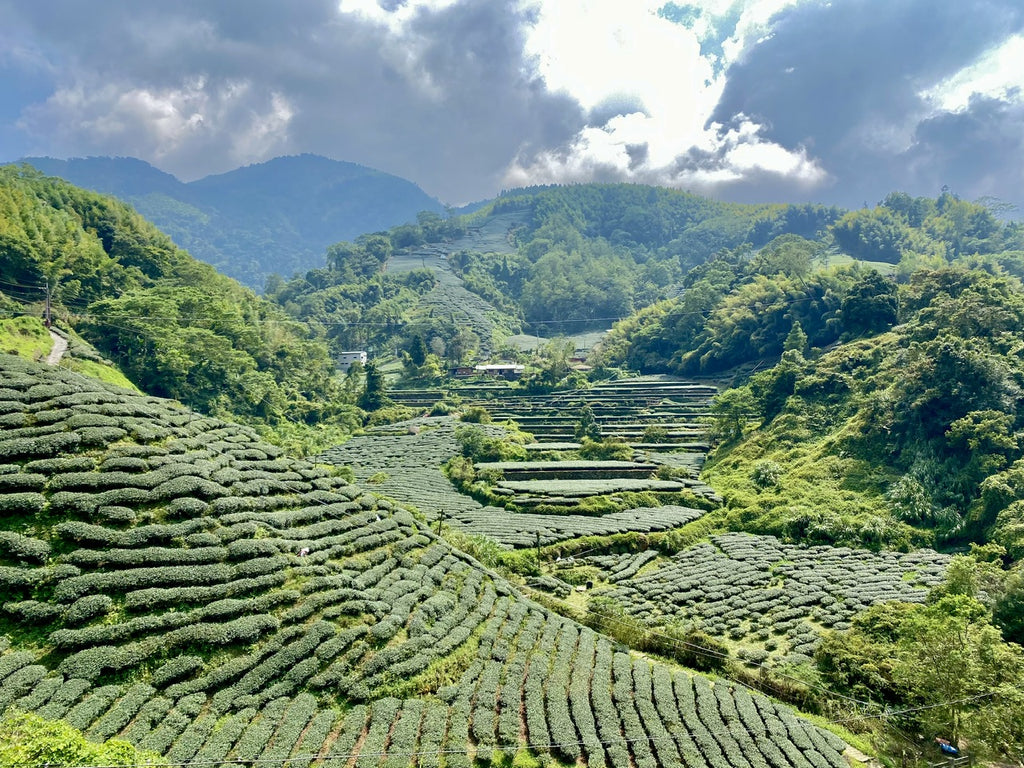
(870, 306)
(173, 325)
(944, 660)
(920, 424)
(654, 433)
(479, 446)
(24, 336)
(732, 410)
(796, 341)
(684, 645)
(587, 426)
(374, 396)
(475, 414)
(609, 449)
(28, 740)
(766, 474)
(587, 253)
(873, 235)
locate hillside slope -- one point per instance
(172, 324)
(276, 217)
(169, 579)
(555, 261)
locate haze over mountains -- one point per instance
(273, 217)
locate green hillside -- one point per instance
(738, 307)
(550, 261)
(174, 326)
(172, 581)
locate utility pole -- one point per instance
(46, 322)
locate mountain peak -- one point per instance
(277, 216)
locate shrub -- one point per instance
(29, 740)
(475, 414)
(23, 547)
(87, 608)
(610, 448)
(117, 514)
(766, 474)
(176, 669)
(186, 506)
(33, 611)
(655, 433)
(22, 504)
(390, 415)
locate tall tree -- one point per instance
(374, 394)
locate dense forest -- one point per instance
(546, 260)
(739, 306)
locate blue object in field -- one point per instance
(949, 749)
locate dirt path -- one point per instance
(60, 346)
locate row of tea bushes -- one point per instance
(291, 616)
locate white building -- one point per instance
(345, 359)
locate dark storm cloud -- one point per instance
(613, 106)
(483, 104)
(844, 80)
(199, 87)
(976, 152)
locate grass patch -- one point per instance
(25, 337)
(105, 373)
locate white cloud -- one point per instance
(997, 73)
(721, 157)
(601, 52)
(166, 124)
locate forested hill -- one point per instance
(589, 253)
(738, 308)
(174, 325)
(273, 217)
(557, 260)
(884, 410)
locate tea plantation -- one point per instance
(775, 599)
(170, 580)
(405, 462)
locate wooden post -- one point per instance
(47, 320)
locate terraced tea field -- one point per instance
(405, 462)
(450, 299)
(169, 579)
(637, 411)
(623, 409)
(773, 599)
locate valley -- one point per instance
(309, 621)
(736, 523)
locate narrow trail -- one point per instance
(60, 346)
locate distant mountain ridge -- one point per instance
(276, 217)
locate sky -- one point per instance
(837, 102)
